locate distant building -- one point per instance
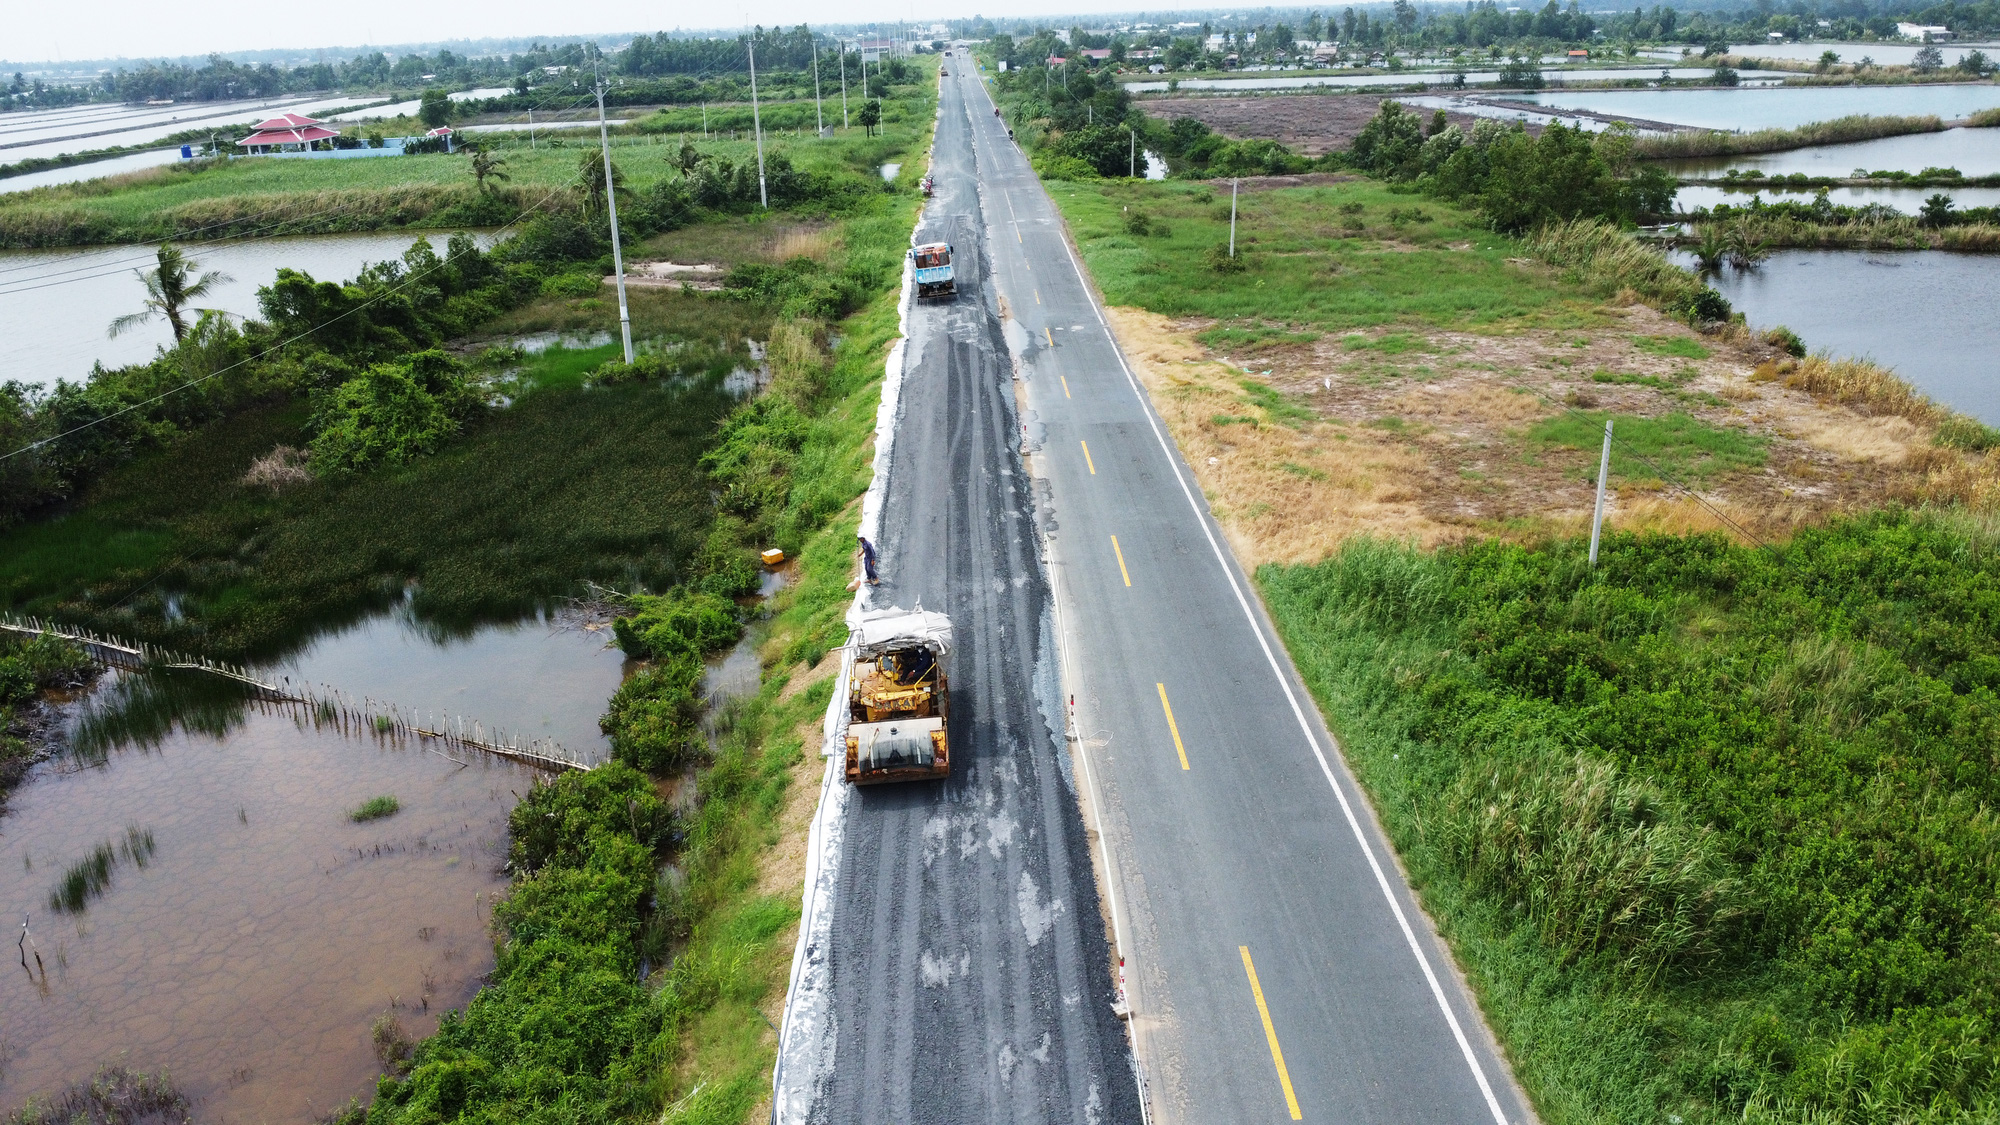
(1924, 32)
(287, 133)
(875, 50)
(1096, 54)
(1578, 54)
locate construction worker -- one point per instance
(868, 560)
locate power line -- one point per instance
(413, 276)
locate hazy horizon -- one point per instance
(129, 31)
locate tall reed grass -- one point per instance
(1840, 130)
(1601, 256)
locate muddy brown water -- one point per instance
(268, 931)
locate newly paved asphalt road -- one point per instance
(1257, 904)
(968, 966)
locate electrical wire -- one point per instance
(288, 341)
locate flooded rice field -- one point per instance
(250, 948)
(1927, 314)
(98, 169)
(56, 306)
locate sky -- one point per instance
(97, 29)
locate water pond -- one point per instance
(266, 931)
(1928, 315)
(249, 932)
(77, 173)
(1975, 152)
(1777, 108)
(56, 306)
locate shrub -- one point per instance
(572, 285)
(1960, 432)
(1786, 340)
(666, 626)
(1051, 166)
(654, 719)
(1222, 261)
(389, 415)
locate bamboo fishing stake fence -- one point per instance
(323, 706)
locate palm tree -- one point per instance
(485, 165)
(591, 170)
(688, 159)
(1710, 249)
(169, 293)
(1747, 245)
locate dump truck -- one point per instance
(933, 261)
(899, 697)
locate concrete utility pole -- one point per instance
(757, 127)
(611, 207)
(819, 121)
(1603, 470)
(1232, 218)
(1132, 156)
(531, 129)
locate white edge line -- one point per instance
(1298, 712)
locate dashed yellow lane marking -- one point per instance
(1065, 383)
(1049, 336)
(1093, 472)
(1270, 1032)
(1121, 561)
(1038, 296)
(1171, 725)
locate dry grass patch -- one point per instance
(1431, 438)
(1282, 492)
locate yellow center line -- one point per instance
(1093, 472)
(1065, 382)
(1038, 296)
(1017, 233)
(1171, 725)
(1049, 336)
(1121, 560)
(1270, 1032)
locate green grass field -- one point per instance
(1336, 257)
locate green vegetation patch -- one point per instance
(1673, 446)
(1680, 347)
(1276, 406)
(1389, 343)
(1300, 268)
(1709, 826)
(375, 808)
(1252, 339)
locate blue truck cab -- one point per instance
(933, 263)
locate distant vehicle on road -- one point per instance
(899, 697)
(934, 277)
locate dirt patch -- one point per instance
(1431, 436)
(1312, 124)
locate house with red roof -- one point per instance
(287, 132)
